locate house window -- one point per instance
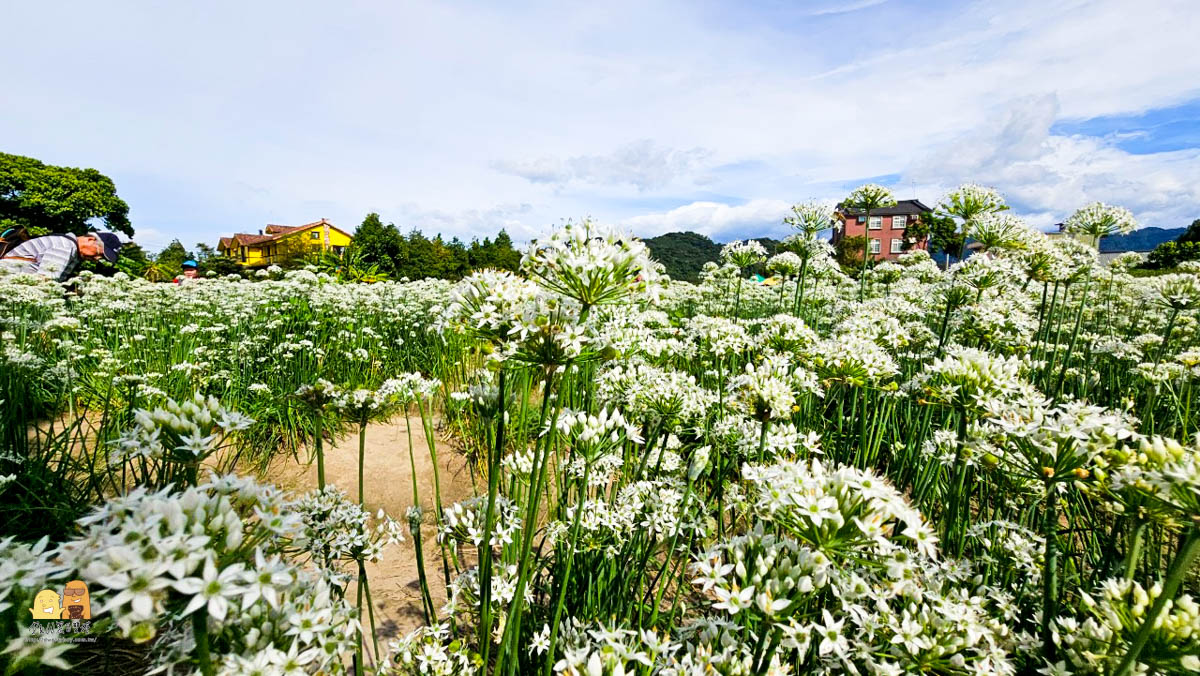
(897, 245)
(339, 250)
(874, 245)
(875, 223)
(243, 254)
(314, 235)
(898, 222)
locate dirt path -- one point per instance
(387, 479)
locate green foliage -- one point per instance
(683, 254)
(204, 252)
(942, 231)
(220, 265)
(415, 256)
(133, 259)
(47, 199)
(1171, 254)
(172, 257)
(1192, 234)
(349, 267)
(849, 251)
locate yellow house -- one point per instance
(284, 242)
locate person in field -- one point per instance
(191, 270)
(59, 256)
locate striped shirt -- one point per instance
(53, 256)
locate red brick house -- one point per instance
(886, 229)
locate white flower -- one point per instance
(212, 590)
(734, 600)
(1100, 220)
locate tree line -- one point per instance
(415, 256)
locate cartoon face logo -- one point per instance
(45, 605)
(77, 605)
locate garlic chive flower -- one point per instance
(1099, 220)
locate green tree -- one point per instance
(204, 252)
(504, 256)
(1192, 234)
(170, 259)
(133, 260)
(378, 244)
(47, 199)
(1170, 254)
(221, 265)
(942, 232)
(849, 252)
(683, 254)
(460, 261)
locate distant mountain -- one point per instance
(1143, 239)
(684, 254)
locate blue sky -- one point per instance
(467, 117)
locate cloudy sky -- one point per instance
(468, 117)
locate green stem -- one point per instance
(366, 589)
(1179, 568)
(1050, 571)
(200, 629)
(566, 578)
(800, 288)
(412, 460)
(1062, 374)
(320, 457)
(862, 277)
(485, 554)
(362, 454)
(512, 631)
(1135, 548)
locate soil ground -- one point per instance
(387, 479)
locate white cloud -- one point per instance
(335, 111)
(719, 221)
(1049, 176)
(846, 7)
(642, 163)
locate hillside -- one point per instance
(1143, 239)
(684, 254)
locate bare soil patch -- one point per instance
(387, 480)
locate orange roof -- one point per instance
(246, 240)
(274, 232)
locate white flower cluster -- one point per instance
(152, 559)
(744, 254)
(592, 265)
(767, 390)
(463, 522)
(1113, 614)
(970, 200)
(184, 431)
(810, 218)
(1100, 220)
(337, 530)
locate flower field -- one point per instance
(892, 469)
